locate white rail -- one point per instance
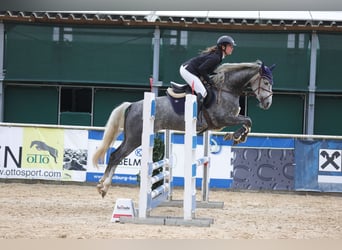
(277, 135)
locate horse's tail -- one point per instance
(112, 130)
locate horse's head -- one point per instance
(262, 86)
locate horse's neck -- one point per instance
(237, 81)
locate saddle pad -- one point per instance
(173, 94)
(176, 103)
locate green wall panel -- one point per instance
(108, 99)
(328, 118)
(328, 77)
(78, 54)
(289, 52)
(75, 118)
(31, 104)
(284, 116)
(124, 57)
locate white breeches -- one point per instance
(192, 79)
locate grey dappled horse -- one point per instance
(230, 81)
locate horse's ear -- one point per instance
(272, 67)
(263, 67)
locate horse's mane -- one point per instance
(227, 67)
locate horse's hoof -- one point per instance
(248, 129)
(237, 138)
(99, 188)
(227, 137)
(103, 193)
(243, 138)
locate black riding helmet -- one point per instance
(224, 40)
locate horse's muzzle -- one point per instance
(265, 105)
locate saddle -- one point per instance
(178, 91)
(176, 95)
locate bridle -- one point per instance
(257, 90)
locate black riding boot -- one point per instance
(200, 101)
(201, 124)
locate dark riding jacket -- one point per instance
(204, 64)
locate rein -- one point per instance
(256, 91)
(259, 88)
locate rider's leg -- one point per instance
(201, 92)
(208, 98)
(200, 101)
(193, 81)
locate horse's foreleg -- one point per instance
(239, 135)
(246, 131)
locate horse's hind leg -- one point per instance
(126, 147)
(106, 180)
(132, 140)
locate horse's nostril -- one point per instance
(265, 105)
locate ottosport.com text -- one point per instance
(30, 173)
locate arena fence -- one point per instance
(286, 162)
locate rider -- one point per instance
(197, 70)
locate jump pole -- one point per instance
(149, 198)
(147, 152)
(146, 195)
(191, 163)
(190, 138)
(206, 177)
(190, 144)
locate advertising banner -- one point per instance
(43, 153)
(319, 167)
(127, 170)
(220, 161)
(75, 154)
(11, 152)
(260, 163)
(264, 164)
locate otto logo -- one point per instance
(35, 158)
(42, 158)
